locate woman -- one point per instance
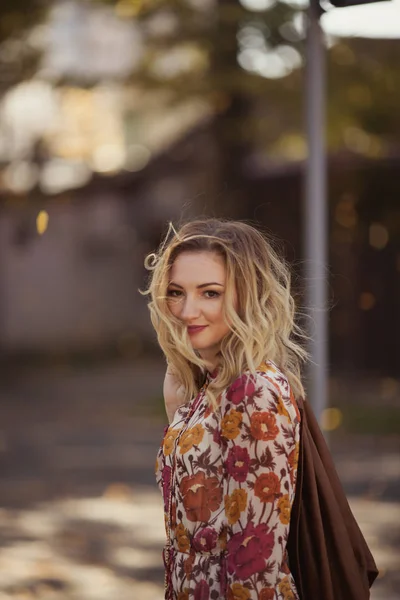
(224, 315)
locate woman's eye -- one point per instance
(173, 293)
(208, 294)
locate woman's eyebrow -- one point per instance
(199, 286)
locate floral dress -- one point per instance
(228, 479)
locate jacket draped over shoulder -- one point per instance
(328, 555)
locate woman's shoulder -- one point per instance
(266, 389)
(267, 374)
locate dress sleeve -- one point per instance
(259, 432)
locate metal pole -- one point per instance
(315, 213)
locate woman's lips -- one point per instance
(195, 329)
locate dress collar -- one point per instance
(211, 376)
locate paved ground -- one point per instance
(80, 516)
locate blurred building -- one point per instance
(76, 285)
(69, 274)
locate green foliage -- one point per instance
(363, 87)
(18, 57)
(213, 35)
(363, 75)
(18, 16)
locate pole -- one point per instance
(315, 213)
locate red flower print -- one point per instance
(217, 435)
(249, 549)
(267, 487)
(267, 594)
(202, 591)
(238, 462)
(205, 540)
(241, 388)
(263, 426)
(201, 496)
(166, 484)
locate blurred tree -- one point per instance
(233, 58)
(247, 65)
(244, 59)
(363, 85)
(19, 51)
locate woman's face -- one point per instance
(196, 295)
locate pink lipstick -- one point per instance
(192, 329)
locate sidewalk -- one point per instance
(110, 547)
(81, 517)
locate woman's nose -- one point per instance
(190, 309)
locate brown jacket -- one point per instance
(328, 555)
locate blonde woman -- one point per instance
(221, 305)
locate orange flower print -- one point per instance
(188, 565)
(293, 460)
(281, 408)
(201, 496)
(182, 538)
(230, 424)
(267, 487)
(267, 594)
(169, 440)
(285, 566)
(156, 466)
(294, 404)
(184, 595)
(235, 504)
(284, 509)
(263, 426)
(191, 437)
(238, 592)
(265, 367)
(223, 538)
(208, 411)
(173, 515)
(286, 589)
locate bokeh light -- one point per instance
(367, 301)
(331, 419)
(257, 5)
(378, 236)
(42, 222)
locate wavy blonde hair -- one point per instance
(262, 328)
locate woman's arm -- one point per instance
(174, 394)
(259, 439)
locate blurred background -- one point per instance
(116, 117)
